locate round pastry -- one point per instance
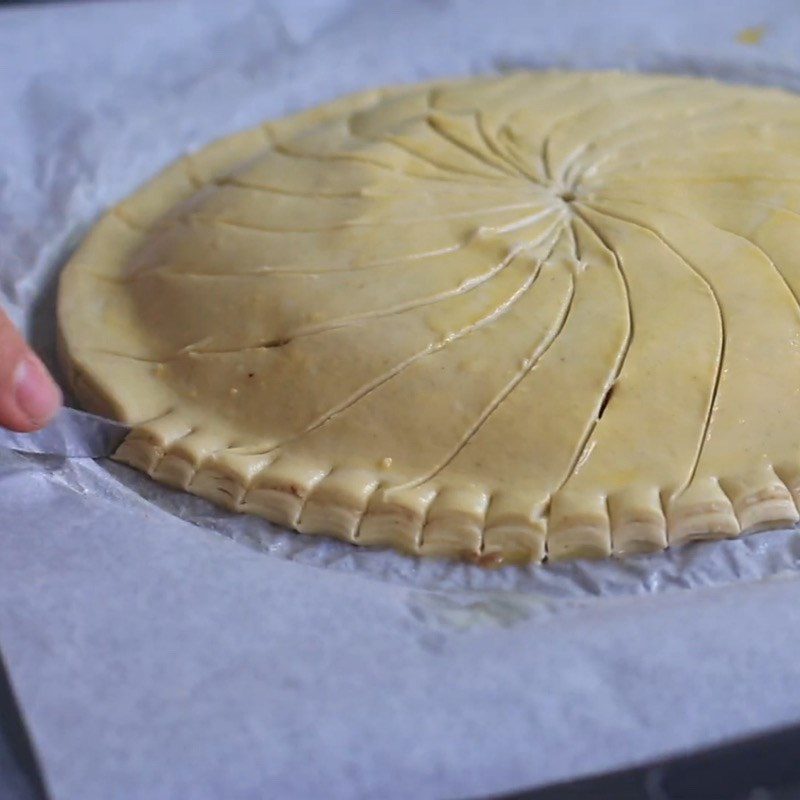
(540, 315)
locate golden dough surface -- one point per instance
(543, 315)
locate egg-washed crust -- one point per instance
(655, 404)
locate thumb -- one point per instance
(29, 397)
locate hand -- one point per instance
(29, 397)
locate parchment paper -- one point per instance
(162, 648)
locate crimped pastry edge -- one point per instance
(490, 529)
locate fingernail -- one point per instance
(35, 392)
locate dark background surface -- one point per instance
(19, 775)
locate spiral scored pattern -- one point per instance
(542, 315)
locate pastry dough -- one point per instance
(542, 315)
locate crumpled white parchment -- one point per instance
(98, 97)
